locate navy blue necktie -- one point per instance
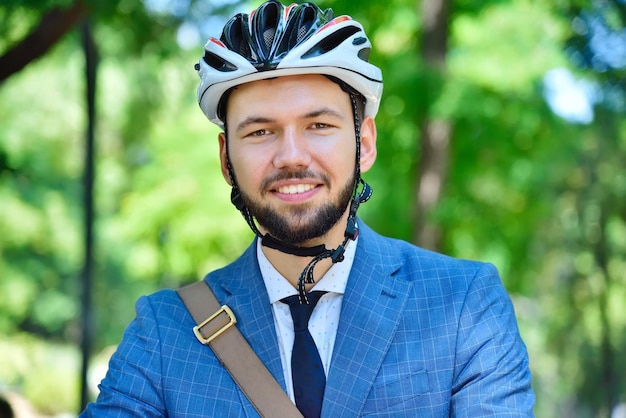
(307, 370)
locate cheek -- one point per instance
(248, 169)
(345, 156)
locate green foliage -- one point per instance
(38, 369)
(40, 243)
(507, 47)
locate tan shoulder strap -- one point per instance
(216, 329)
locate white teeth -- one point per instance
(295, 188)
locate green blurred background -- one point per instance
(501, 137)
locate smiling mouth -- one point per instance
(295, 188)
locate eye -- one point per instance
(258, 133)
(320, 125)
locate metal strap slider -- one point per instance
(220, 322)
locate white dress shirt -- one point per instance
(325, 317)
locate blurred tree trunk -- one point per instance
(52, 26)
(601, 247)
(435, 132)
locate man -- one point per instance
(399, 331)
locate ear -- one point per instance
(368, 143)
(223, 157)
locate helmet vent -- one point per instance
(268, 37)
(364, 54)
(302, 22)
(330, 42)
(219, 63)
(235, 35)
(264, 28)
(302, 31)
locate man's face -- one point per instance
(292, 148)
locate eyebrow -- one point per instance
(251, 120)
(327, 111)
(324, 111)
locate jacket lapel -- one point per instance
(372, 305)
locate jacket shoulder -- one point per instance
(415, 263)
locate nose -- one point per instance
(292, 150)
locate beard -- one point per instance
(299, 223)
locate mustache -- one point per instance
(291, 175)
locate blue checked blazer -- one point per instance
(420, 335)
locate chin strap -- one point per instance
(271, 242)
(336, 255)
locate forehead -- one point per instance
(287, 95)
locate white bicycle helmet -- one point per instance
(274, 41)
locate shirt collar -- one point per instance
(334, 280)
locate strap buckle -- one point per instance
(222, 327)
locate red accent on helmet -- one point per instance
(217, 42)
(287, 10)
(335, 21)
